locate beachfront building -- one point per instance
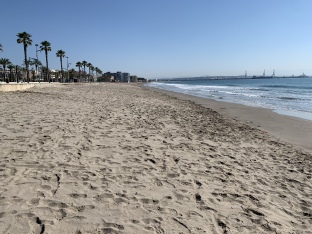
(126, 77)
(53, 75)
(121, 76)
(106, 77)
(133, 78)
(141, 79)
(118, 77)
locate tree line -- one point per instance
(25, 39)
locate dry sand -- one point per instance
(118, 158)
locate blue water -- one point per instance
(288, 96)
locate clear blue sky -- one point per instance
(166, 38)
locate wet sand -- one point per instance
(296, 131)
(119, 158)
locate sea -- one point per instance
(286, 96)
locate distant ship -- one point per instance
(273, 76)
(302, 76)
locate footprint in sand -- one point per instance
(105, 197)
(2, 214)
(84, 208)
(34, 201)
(112, 227)
(46, 187)
(76, 195)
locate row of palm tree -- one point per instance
(85, 64)
(25, 39)
(6, 63)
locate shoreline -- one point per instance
(294, 130)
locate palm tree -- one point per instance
(92, 70)
(46, 46)
(84, 64)
(25, 39)
(72, 74)
(98, 71)
(89, 65)
(5, 62)
(17, 73)
(79, 65)
(33, 72)
(31, 62)
(61, 55)
(37, 63)
(11, 67)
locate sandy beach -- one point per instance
(120, 158)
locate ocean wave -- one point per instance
(285, 96)
(286, 87)
(293, 98)
(259, 89)
(195, 87)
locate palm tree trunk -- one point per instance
(26, 63)
(16, 78)
(84, 70)
(79, 75)
(5, 77)
(46, 54)
(62, 69)
(10, 79)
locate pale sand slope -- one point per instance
(291, 129)
(119, 158)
